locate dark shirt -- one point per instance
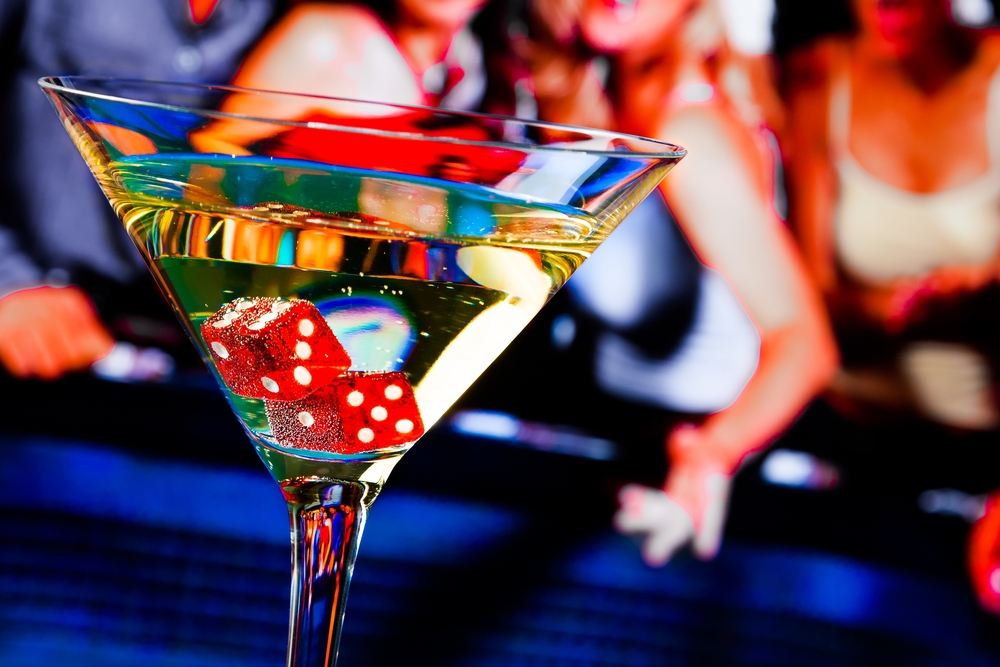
(55, 225)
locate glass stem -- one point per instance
(327, 518)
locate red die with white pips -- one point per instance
(310, 423)
(378, 410)
(278, 349)
(372, 411)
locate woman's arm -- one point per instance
(716, 195)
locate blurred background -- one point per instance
(759, 427)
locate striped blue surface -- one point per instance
(193, 570)
(87, 480)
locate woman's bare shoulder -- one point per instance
(308, 48)
(313, 19)
(713, 130)
(711, 117)
(348, 14)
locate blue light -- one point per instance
(375, 330)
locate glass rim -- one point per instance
(666, 149)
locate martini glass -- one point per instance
(346, 276)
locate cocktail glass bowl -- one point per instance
(346, 269)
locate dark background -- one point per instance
(138, 527)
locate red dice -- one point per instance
(277, 349)
(310, 423)
(360, 412)
(378, 410)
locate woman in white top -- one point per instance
(894, 171)
(673, 76)
(894, 177)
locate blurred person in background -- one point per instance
(61, 246)
(893, 140)
(671, 74)
(411, 52)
